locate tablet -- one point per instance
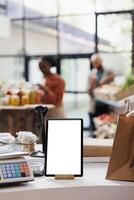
(64, 152)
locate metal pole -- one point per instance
(132, 41)
(96, 32)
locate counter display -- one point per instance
(19, 94)
(116, 92)
(113, 92)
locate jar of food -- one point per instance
(27, 140)
(9, 99)
(24, 99)
(32, 97)
(15, 100)
(33, 94)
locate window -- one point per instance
(73, 71)
(120, 63)
(70, 30)
(11, 69)
(15, 9)
(76, 34)
(67, 7)
(41, 36)
(114, 5)
(115, 41)
(12, 44)
(115, 32)
(3, 7)
(40, 8)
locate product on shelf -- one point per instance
(104, 119)
(113, 92)
(128, 82)
(106, 125)
(14, 100)
(116, 92)
(18, 94)
(106, 131)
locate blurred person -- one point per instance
(98, 76)
(52, 87)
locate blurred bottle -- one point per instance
(9, 92)
(20, 94)
(9, 96)
(33, 95)
(25, 100)
(15, 100)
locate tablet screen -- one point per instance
(64, 147)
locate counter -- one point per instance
(19, 118)
(92, 186)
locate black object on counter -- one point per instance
(41, 112)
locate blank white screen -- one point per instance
(64, 147)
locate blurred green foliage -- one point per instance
(129, 81)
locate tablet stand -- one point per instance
(64, 177)
(58, 132)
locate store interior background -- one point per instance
(70, 31)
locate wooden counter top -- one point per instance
(25, 107)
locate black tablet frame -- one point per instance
(45, 170)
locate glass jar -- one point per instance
(25, 100)
(15, 100)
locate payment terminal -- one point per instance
(15, 170)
